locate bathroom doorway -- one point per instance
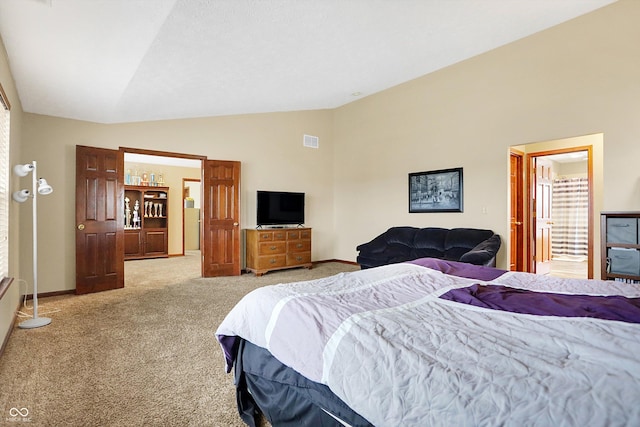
(557, 237)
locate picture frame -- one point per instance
(436, 191)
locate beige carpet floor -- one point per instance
(144, 355)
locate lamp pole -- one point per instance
(35, 321)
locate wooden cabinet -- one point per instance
(145, 222)
(620, 246)
(277, 249)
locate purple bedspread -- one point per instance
(496, 297)
(460, 269)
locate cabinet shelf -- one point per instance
(620, 246)
(146, 222)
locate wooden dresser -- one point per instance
(277, 249)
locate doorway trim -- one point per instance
(202, 159)
(517, 221)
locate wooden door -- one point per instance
(99, 220)
(221, 219)
(516, 259)
(543, 220)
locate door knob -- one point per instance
(235, 224)
(80, 227)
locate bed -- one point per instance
(437, 343)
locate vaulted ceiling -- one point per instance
(112, 61)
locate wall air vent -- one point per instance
(310, 141)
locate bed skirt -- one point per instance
(284, 397)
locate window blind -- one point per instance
(5, 169)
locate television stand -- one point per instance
(275, 227)
(277, 249)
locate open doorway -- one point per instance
(561, 203)
(157, 175)
(554, 192)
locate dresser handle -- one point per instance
(273, 248)
(299, 258)
(299, 245)
(272, 261)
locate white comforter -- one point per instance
(383, 341)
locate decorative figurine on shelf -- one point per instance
(160, 206)
(127, 213)
(146, 209)
(161, 180)
(136, 215)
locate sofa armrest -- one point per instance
(375, 246)
(484, 253)
(380, 244)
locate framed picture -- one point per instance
(436, 191)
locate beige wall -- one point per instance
(269, 146)
(571, 169)
(11, 299)
(579, 78)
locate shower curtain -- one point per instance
(570, 213)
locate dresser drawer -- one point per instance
(305, 234)
(268, 236)
(298, 234)
(263, 236)
(279, 235)
(298, 258)
(299, 246)
(269, 248)
(273, 261)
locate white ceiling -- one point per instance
(113, 61)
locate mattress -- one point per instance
(434, 342)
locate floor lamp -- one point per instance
(39, 186)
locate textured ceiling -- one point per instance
(112, 61)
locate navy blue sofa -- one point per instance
(399, 244)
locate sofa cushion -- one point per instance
(401, 236)
(428, 253)
(432, 238)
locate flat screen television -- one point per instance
(280, 208)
